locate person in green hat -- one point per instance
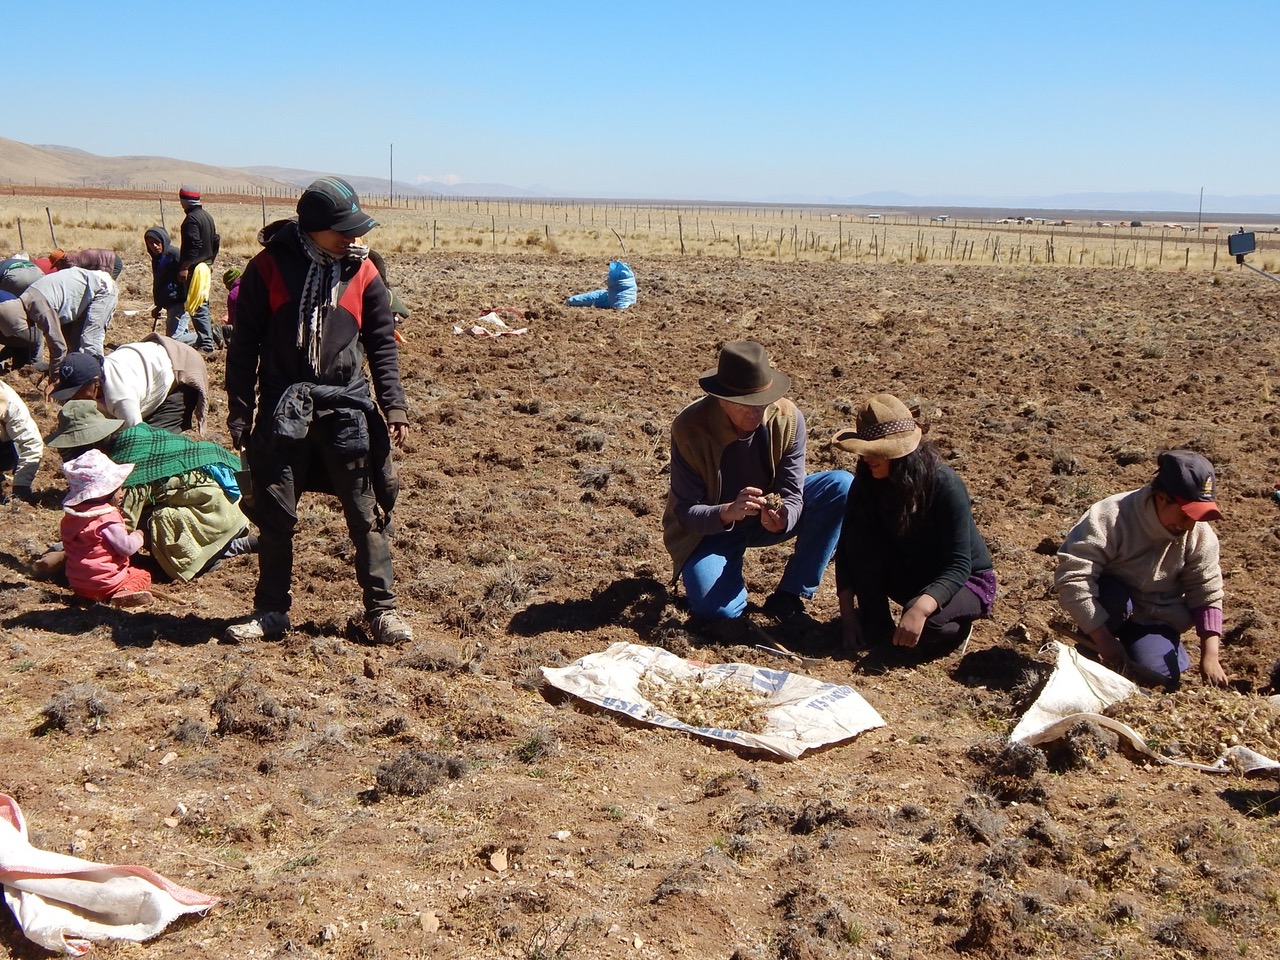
(183, 492)
(231, 280)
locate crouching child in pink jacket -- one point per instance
(94, 536)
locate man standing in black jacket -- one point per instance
(200, 242)
(312, 309)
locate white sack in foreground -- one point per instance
(1080, 689)
(64, 903)
(801, 713)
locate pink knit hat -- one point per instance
(93, 475)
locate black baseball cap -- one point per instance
(332, 204)
(1189, 479)
(76, 370)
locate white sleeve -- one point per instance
(128, 410)
(26, 439)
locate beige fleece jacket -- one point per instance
(1167, 575)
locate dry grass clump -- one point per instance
(416, 772)
(245, 708)
(81, 705)
(1201, 723)
(723, 705)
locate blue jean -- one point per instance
(178, 325)
(712, 575)
(1156, 648)
(204, 328)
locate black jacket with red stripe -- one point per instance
(264, 359)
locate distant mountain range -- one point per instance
(381, 186)
(22, 163)
(1138, 203)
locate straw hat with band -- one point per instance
(81, 424)
(885, 428)
(743, 375)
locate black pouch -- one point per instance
(348, 432)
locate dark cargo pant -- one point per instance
(281, 470)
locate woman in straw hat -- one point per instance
(909, 536)
(732, 452)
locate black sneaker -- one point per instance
(783, 605)
(733, 632)
(238, 546)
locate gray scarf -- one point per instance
(320, 294)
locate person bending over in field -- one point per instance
(71, 307)
(159, 381)
(1140, 568)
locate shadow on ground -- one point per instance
(638, 603)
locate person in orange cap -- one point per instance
(1141, 568)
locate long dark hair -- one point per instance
(906, 492)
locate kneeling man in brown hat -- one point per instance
(738, 481)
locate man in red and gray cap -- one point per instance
(1140, 568)
(312, 310)
(199, 244)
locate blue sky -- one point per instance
(738, 101)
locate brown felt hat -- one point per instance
(884, 428)
(743, 375)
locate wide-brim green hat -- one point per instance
(81, 424)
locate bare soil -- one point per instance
(356, 801)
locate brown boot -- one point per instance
(135, 598)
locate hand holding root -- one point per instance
(773, 515)
(746, 504)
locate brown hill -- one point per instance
(22, 163)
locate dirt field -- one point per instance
(437, 801)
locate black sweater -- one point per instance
(938, 553)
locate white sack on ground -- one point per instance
(801, 713)
(1080, 689)
(64, 903)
